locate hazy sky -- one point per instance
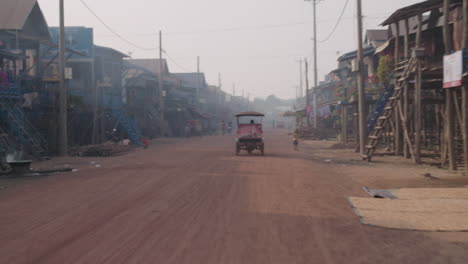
(254, 43)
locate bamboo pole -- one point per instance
(397, 131)
(406, 147)
(464, 123)
(448, 98)
(417, 96)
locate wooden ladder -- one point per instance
(401, 74)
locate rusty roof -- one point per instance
(152, 65)
(14, 13)
(413, 10)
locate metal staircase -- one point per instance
(128, 124)
(20, 130)
(401, 75)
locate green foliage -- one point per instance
(385, 70)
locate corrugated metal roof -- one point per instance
(151, 65)
(14, 13)
(377, 35)
(192, 79)
(414, 10)
(99, 49)
(353, 54)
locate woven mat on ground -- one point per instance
(413, 214)
(420, 193)
(414, 205)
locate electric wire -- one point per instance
(112, 30)
(176, 63)
(126, 40)
(337, 23)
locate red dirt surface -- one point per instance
(192, 201)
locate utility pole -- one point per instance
(198, 80)
(161, 85)
(315, 65)
(301, 84)
(307, 92)
(233, 89)
(220, 83)
(62, 117)
(314, 94)
(361, 91)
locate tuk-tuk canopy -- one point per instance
(250, 114)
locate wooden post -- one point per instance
(448, 93)
(345, 123)
(356, 125)
(307, 92)
(361, 86)
(406, 39)
(314, 95)
(464, 123)
(404, 119)
(397, 132)
(63, 93)
(417, 97)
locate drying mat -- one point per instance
(411, 206)
(420, 193)
(415, 221)
(423, 215)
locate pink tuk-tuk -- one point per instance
(250, 132)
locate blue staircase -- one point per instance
(21, 131)
(125, 122)
(379, 108)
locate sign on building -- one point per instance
(68, 73)
(453, 69)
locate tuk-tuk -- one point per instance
(250, 132)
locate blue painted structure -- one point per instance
(378, 109)
(21, 132)
(78, 39)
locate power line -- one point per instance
(337, 23)
(240, 29)
(175, 62)
(264, 27)
(112, 30)
(126, 40)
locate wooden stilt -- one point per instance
(344, 124)
(397, 132)
(405, 131)
(417, 97)
(406, 147)
(417, 114)
(448, 92)
(464, 123)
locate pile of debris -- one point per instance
(311, 133)
(101, 150)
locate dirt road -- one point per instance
(192, 201)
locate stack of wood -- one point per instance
(101, 150)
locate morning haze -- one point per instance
(239, 39)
